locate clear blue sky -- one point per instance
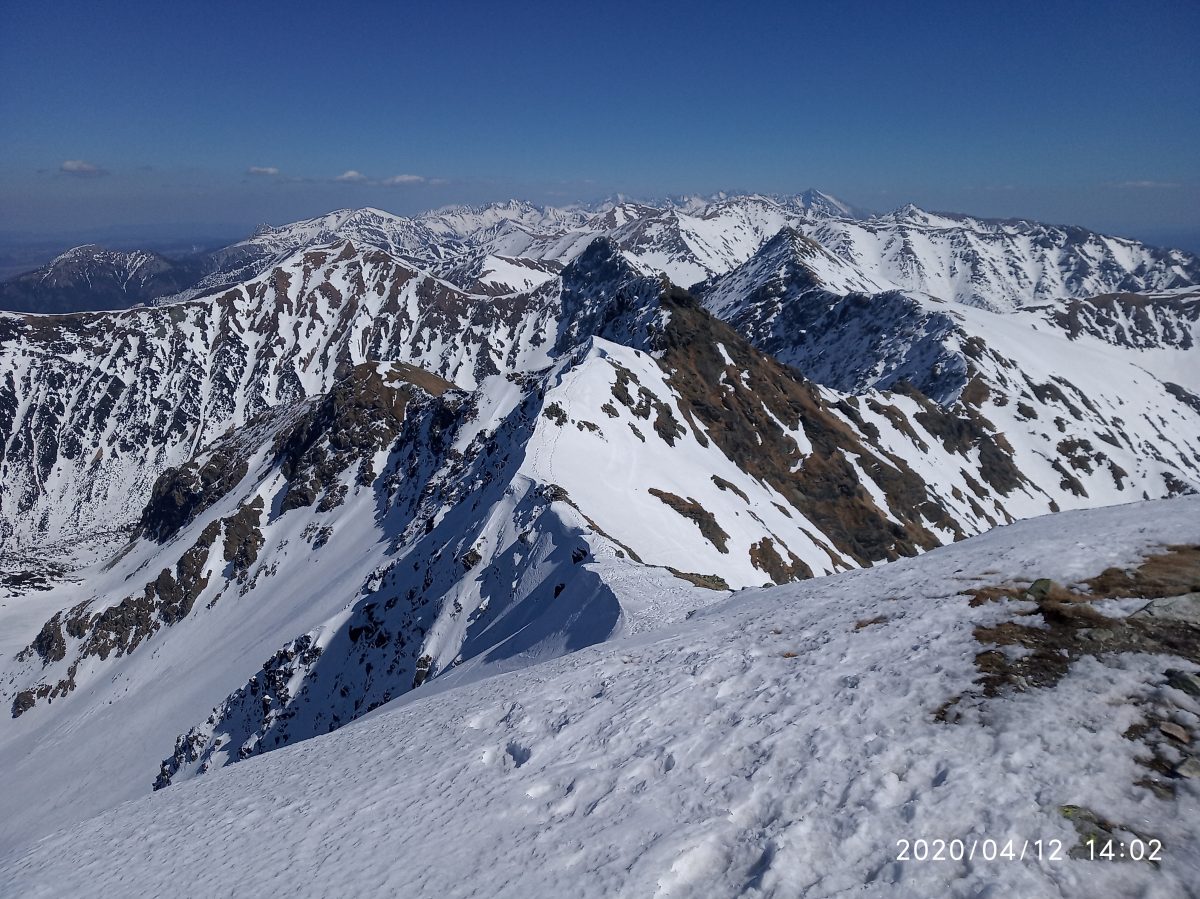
(138, 113)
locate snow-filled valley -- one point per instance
(695, 548)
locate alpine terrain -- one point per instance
(673, 548)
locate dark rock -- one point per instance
(23, 702)
(1183, 680)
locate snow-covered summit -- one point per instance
(821, 203)
(367, 226)
(91, 277)
(491, 248)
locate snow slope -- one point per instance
(400, 456)
(1091, 393)
(778, 743)
(263, 571)
(1000, 265)
(86, 404)
(86, 429)
(335, 552)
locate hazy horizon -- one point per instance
(143, 116)
(33, 248)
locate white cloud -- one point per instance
(1148, 185)
(351, 175)
(269, 170)
(402, 179)
(81, 168)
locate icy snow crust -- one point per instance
(765, 747)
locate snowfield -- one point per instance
(777, 743)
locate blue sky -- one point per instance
(198, 113)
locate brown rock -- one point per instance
(1175, 732)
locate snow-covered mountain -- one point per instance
(513, 246)
(1100, 391)
(1000, 265)
(95, 407)
(91, 278)
(803, 737)
(371, 455)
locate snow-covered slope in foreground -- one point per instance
(779, 743)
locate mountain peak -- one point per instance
(604, 295)
(826, 204)
(787, 237)
(803, 262)
(92, 251)
(601, 260)
(908, 211)
(84, 249)
(788, 265)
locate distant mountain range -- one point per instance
(90, 278)
(512, 246)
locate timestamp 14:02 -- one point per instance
(1136, 850)
(987, 849)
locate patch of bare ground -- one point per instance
(743, 417)
(703, 519)
(1172, 573)
(765, 557)
(1065, 626)
(1095, 831)
(707, 581)
(39, 576)
(556, 493)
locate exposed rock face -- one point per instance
(1131, 320)
(115, 400)
(848, 341)
(1029, 379)
(118, 629)
(360, 416)
(180, 494)
(748, 418)
(314, 445)
(695, 512)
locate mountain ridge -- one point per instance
(904, 249)
(235, 520)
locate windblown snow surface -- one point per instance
(777, 743)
